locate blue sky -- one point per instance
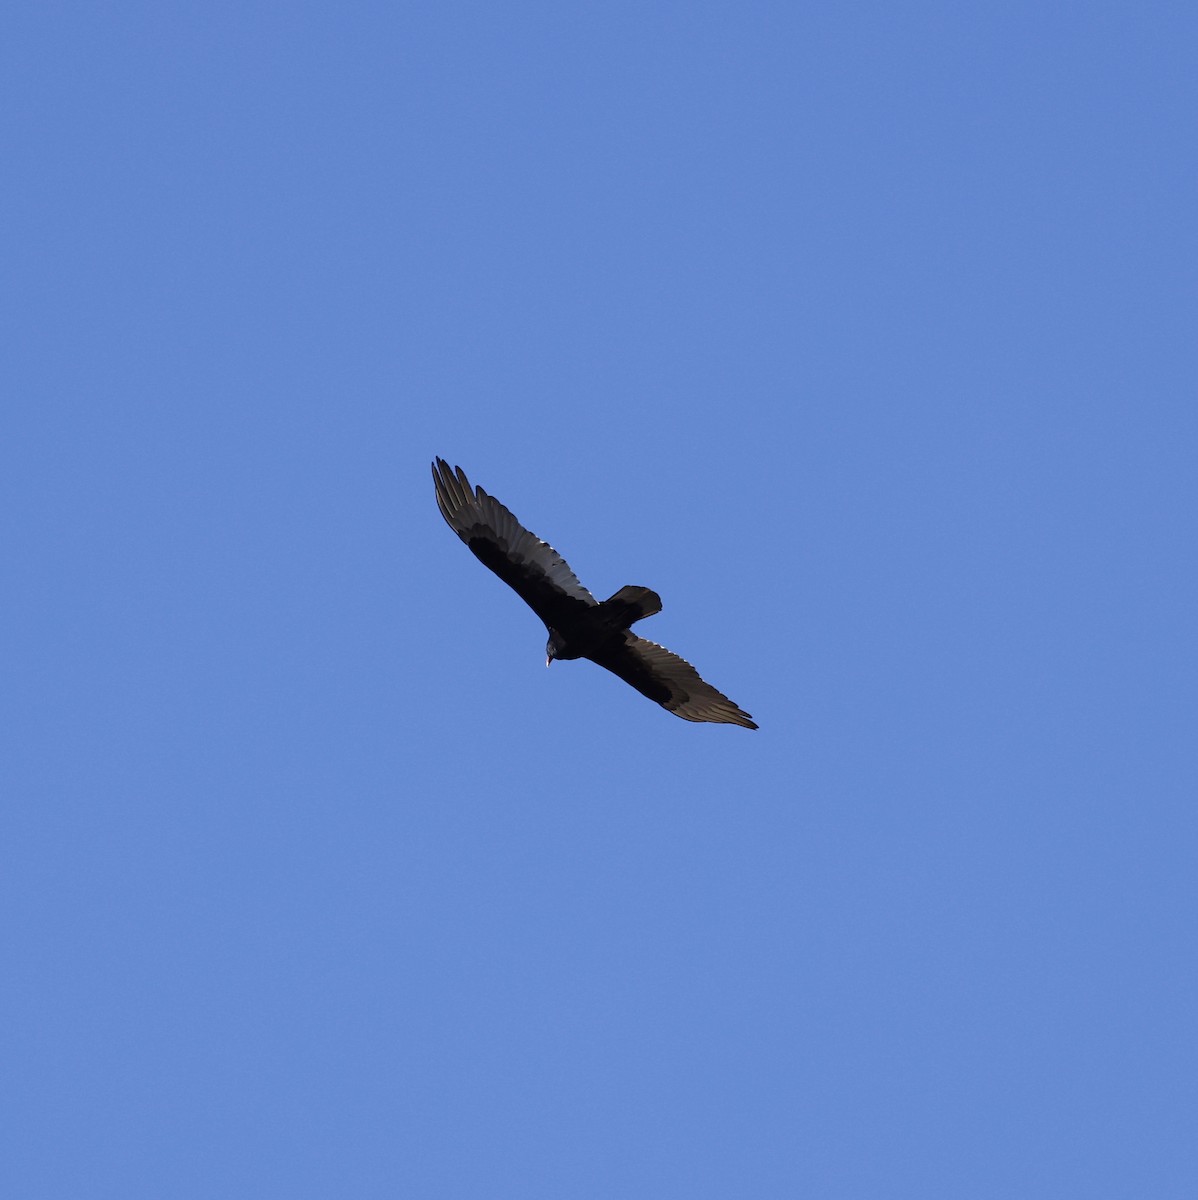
(862, 333)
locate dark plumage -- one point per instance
(578, 625)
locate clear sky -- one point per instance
(863, 333)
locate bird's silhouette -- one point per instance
(578, 625)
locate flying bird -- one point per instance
(578, 625)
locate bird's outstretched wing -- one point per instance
(537, 573)
(662, 676)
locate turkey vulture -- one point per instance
(579, 626)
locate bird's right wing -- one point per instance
(662, 676)
(537, 573)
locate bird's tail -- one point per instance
(630, 603)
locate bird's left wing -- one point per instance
(662, 676)
(537, 573)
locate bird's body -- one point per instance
(600, 629)
(578, 625)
